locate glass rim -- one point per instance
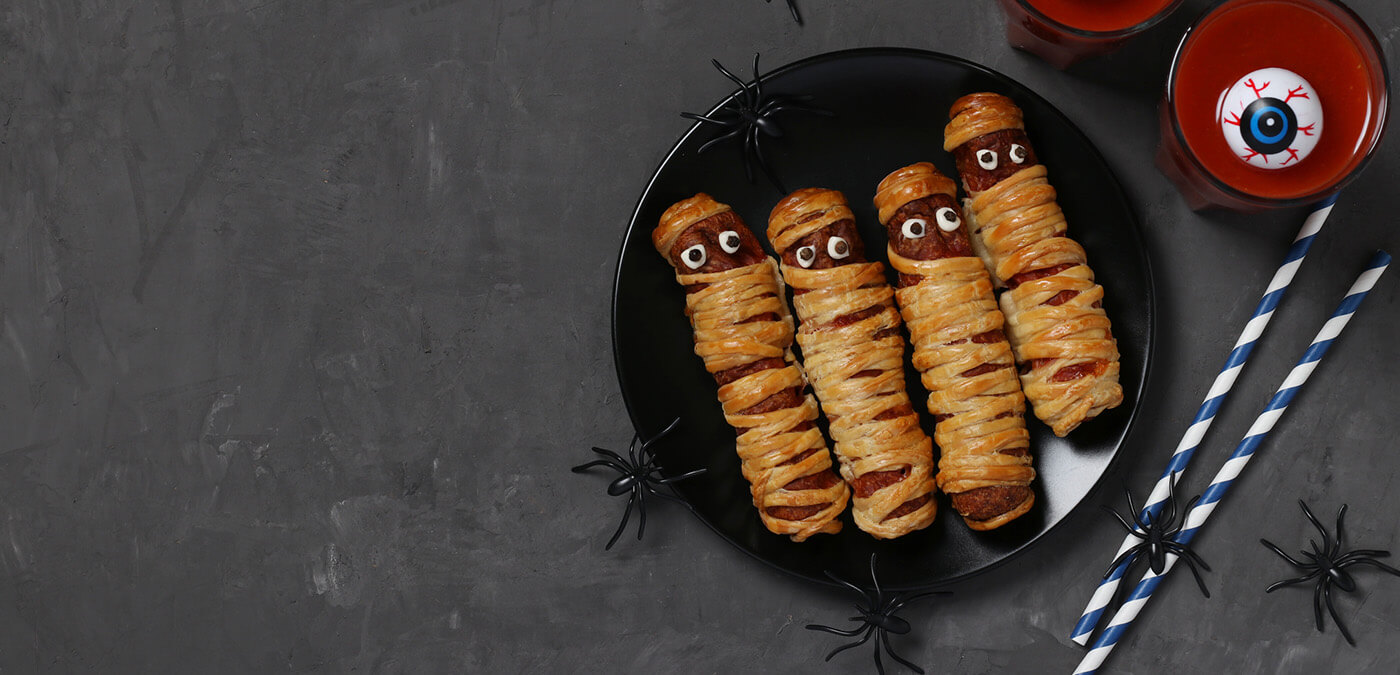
(1381, 105)
(1102, 35)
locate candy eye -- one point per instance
(914, 228)
(1017, 153)
(948, 219)
(694, 256)
(806, 256)
(1271, 118)
(837, 248)
(729, 241)
(987, 159)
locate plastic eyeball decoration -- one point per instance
(806, 256)
(1271, 118)
(948, 219)
(695, 256)
(729, 241)
(987, 159)
(838, 248)
(914, 228)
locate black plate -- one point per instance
(890, 105)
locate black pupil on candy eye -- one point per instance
(1268, 125)
(840, 246)
(805, 253)
(695, 255)
(916, 228)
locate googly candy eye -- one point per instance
(1017, 153)
(695, 256)
(987, 159)
(838, 248)
(806, 256)
(914, 228)
(729, 241)
(1271, 118)
(948, 219)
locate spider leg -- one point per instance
(1289, 582)
(1317, 603)
(757, 81)
(835, 631)
(748, 150)
(763, 163)
(1180, 549)
(1133, 511)
(1341, 513)
(1191, 565)
(868, 631)
(845, 583)
(672, 498)
(1125, 559)
(1364, 552)
(611, 455)
(1125, 524)
(702, 118)
(1279, 551)
(1368, 561)
(878, 593)
(744, 96)
(599, 462)
(1327, 598)
(646, 445)
(1326, 539)
(673, 479)
(786, 104)
(720, 138)
(885, 638)
(901, 602)
(625, 515)
(792, 5)
(641, 510)
(1171, 501)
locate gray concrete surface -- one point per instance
(304, 316)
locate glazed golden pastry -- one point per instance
(1061, 335)
(743, 331)
(960, 350)
(854, 352)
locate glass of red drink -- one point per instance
(1064, 32)
(1272, 103)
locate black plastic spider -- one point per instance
(638, 478)
(1157, 535)
(1328, 564)
(752, 116)
(879, 615)
(792, 5)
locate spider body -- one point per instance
(750, 117)
(878, 618)
(638, 477)
(1158, 535)
(1327, 566)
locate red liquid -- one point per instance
(1310, 38)
(1100, 16)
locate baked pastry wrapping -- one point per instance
(854, 352)
(743, 329)
(1060, 333)
(960, 351)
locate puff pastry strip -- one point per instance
(960, 351)
(743, 331)
(1060, 333)
(854, 352)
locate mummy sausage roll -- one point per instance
(743, 331)
(960, 350)
(854, 352)
(1060, 333)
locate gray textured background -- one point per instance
(304, 316)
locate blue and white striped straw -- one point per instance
(1197, 516)
(1264, 311)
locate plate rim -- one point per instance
(1134, 230)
